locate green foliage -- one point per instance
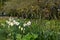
(38, 30)
(27, 37)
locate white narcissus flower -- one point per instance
(21, 29)
(29, 23)
(17, 23)
(11, 24)
(14, 21)
(24, 24)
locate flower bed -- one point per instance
(23, 29)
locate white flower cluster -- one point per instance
(12, 22)
(27, 24)
(22, 29)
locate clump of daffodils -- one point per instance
(27, 24)
(24, 25)
(12, 22)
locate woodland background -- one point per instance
(32, 9)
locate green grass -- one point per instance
(46, 29)
(45, 24)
